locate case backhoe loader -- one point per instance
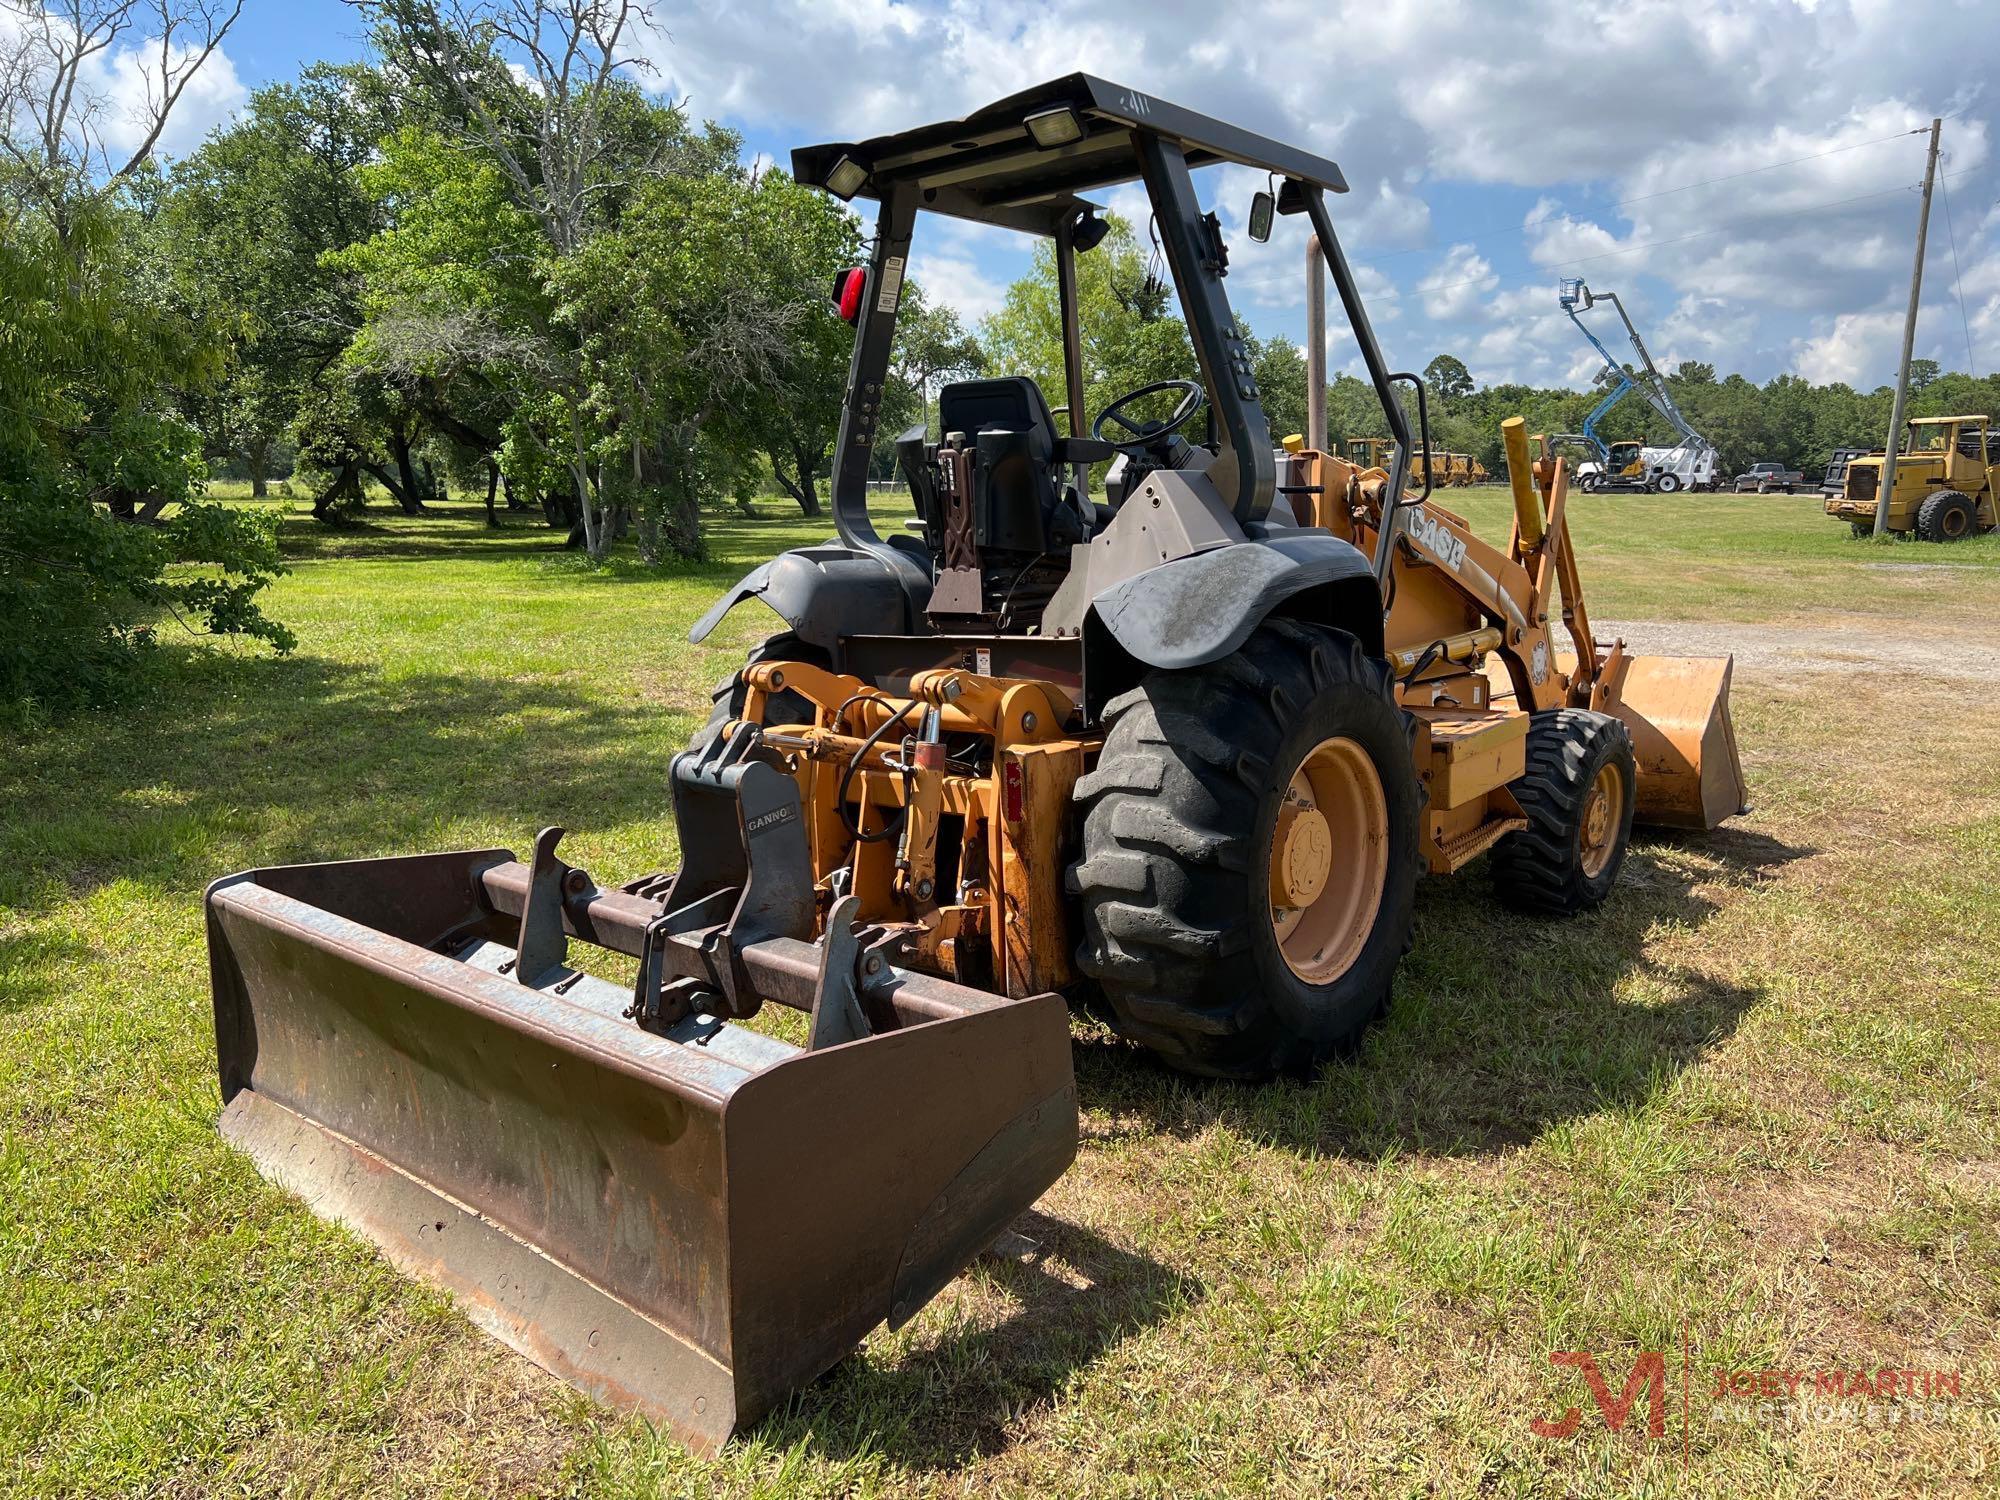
(1177, 753)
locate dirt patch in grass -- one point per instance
(1919, 649)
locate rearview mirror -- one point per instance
(1261, 209)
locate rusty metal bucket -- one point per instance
(689, 1220)
(1677, 709)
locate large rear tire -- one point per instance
(1947, 516)
(1249, 855)
(1579, 793)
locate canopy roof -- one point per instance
(988, 168)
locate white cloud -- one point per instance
(1643, 128)
(1457, 284)
(117, 89)
(1859, 349)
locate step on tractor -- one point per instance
(1175, 754)
(1945, 473)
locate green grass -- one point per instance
(1750, 1101)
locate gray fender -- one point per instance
(823, 593)
(1198, 609)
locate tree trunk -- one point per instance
(138, 506)
(257, 454)
(411, 495)
(808, 496)
(599, 520)
(802, 489)
(492, 487)
(514, 500)
(407, 499)
(346, 486)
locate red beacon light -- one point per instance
(847, 289)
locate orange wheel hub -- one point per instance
(1603, 810)
(1329, 860)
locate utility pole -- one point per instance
(1888, 486)
(1315, 347)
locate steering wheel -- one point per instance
(1193, 397)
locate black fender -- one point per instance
(1199, 608)
(825, 593)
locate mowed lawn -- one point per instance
(1744, 1117)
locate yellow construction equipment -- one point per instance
(1177, 755)
(1944, 482)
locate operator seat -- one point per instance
(1020, 502)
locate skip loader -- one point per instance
(1176, 753)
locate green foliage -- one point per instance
(1132, 334)
(1279, 368)
(1447, 378)
(244, 230)
(689, 325)
(91, 353)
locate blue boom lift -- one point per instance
(1627, 467)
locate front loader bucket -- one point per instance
(689, 1221)
(1677, 709)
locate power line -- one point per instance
(1958, 283)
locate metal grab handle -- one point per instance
(1392, 498)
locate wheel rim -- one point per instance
(1954, 522)
(1329, 860)
(1603, 807)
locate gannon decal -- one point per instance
(770, 819)
(1435, 538)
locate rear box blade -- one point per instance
(690, 1225)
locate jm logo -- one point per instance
(1650, 1371)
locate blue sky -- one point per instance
(1740, 170)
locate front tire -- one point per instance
(1249, 864)
(1669, 483)
(1579, 793)
(1947, 516)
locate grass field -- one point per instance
(1744, 1116)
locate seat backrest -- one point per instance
(1010, 403)
(1017, 495)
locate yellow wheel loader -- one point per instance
(1945, 478)
(1177, 754)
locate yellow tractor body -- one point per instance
(1943, 486)
(1176, 756)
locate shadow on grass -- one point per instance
(1501, 1026)
(258, 760)
(28, 963)
(457, 532)
(1076, 1297)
